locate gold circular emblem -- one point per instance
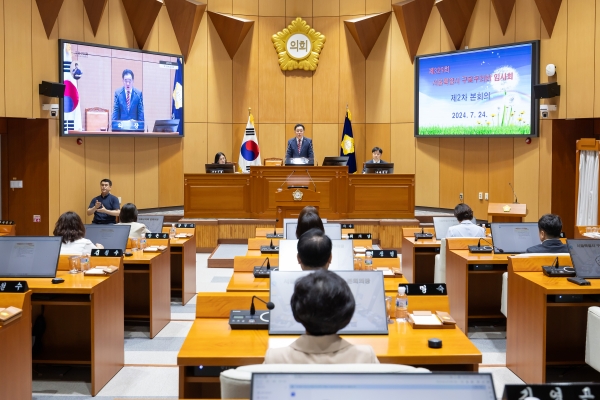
(297, 195)
(298, 46)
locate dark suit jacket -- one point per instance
(136, 105)
(549, 246)
(305, 151)
(371, 162)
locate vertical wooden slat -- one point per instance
(452, 154)
(146, 173)
(18, 81)
(427, 174)
(403, 147)
(378, 78)
(527, 170)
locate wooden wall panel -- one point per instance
(17, 46)
(352, 74)
(170, 172)
(427, 174)
(122, 163)
(194, 148)
(377, 135)
(219, 102)
(103, 33)
(2, 100)
(72, 170)
(271, 89)
(219, 139)
(476, 174)
(44, 58)
(299, 8)
(272, 139)
(378, 6)
(220, 6)
(152, 40)
(580, 58)
(245, 77)
(53, 175)
(403, 147)
(97, 167)
(330, 8)
(70, 20)
(496, 35)
(237, 136)
(452, 154)
(352, 7)
(430, 43)
(545, 184)
(528, 20)
(167, 41)
(402, 83)
(378, 79)
(196, 78)
(501, 167)
(325, 138)
(477, 34)
(298, 96)
(271, 8)
(245, 7)
(555, 52)
(527, 175)
(120, 32)
(597, 64)
(146, 173)
(325, 79)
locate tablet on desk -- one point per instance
(29, 256)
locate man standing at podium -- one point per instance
(300, 146)
(128, 103)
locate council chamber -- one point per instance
(379, 197)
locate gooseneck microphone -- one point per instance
(479, 249)
(311, 179)
(269, 305)
(514, 194)
(286, 179)
(275, 235)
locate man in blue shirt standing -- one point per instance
(105, 207)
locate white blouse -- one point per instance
(77, 247)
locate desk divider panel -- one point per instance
(247, 263)
(218, 305)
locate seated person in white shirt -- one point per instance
(71, 228)
(323, 303)
(465, 228)
(128, 216)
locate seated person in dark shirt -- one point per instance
(550, 227)
(106, 207)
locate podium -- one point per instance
(289, 202)
(506, 212)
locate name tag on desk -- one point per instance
(185, 225)
(425, 289)
(157, 235)
(584, 391)
(360, 236)
(385, 254)
(347, 226)
(6, 222)
(13, 286)
(107, 253)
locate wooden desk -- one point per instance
(84, 322)
(15, 348)
(246, 282)
(8, 230)
(342, 195)
(183, 268)
(148, 288)
(418, 259)
(540, 332)
(210, 342)
(474, 294)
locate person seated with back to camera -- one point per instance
(129, 216)
(71, 228)
(465, 228)
(323, 303)
(550, 226)
(307, 219)
(314, 250)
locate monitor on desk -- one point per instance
(379, 168)
(29, 256)
(109, 236)
(333, 230)
(585, 256)
(359, 386)
(442, 224)
(341, 161)
(367, 287)
(515, 238)
(154, 223)
(299, 161)
(342, 256)
(220, 168)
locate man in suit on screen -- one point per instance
(299, 146)
(128, 103)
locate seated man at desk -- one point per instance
(550, 226)
(377, 152)
(299, 146)
(323, 303)
(314, 250)
(465, 228)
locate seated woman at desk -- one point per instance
(307, 219)
(220, 158)
(71, 228)
(465, 228)
(129, 216)
(321, 344)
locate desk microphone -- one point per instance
(275, 235)
(244, 319)
(262, 271)
(311, 179)
(557, 271)
(269, 304)
(514, 194)
(423, 235)
(479, 249)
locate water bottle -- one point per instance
(368, 260)
(401, 304)
(172, 232)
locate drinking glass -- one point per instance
(588, 229)
(388, 309)
(358, 264)
(74, 264)
(143, 243)
(135, 244)
(594, 229)
(84, 262)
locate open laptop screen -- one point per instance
(368, 290)
(442, 224)
(154, 223)
(333, 230)
(342, 256)
(109, 236)
(326, 386)
(585, 255)
(29, 256)
(515, 238)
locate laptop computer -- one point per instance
(109, 236)
(29, 256)
(333, 230)
(342, 256)
(369, 318)
(515, 238)
(166, 125)
(585, 256)
(357, 386)
(154, 223)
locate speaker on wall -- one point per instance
(52, 89)
(546, 90)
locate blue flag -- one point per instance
(347, 145)
(177, 104)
